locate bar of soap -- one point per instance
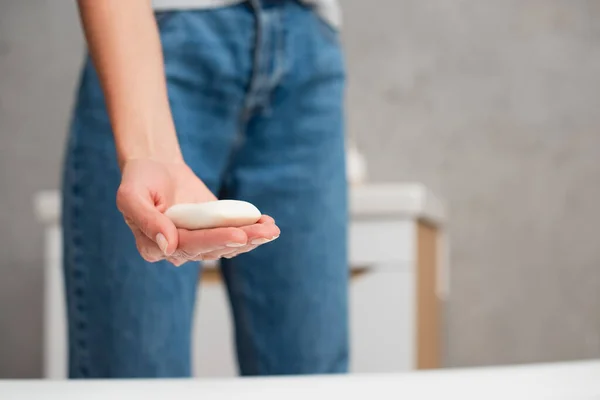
(213, 214)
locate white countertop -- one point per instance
(384, 200)
(567, 381)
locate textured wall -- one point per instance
(493, 104)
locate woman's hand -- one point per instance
(124, 43)
(149, 187)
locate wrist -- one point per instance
(162, 147)
(145, 130)
(173, 160)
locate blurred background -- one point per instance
(493, 105)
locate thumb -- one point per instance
(140, 212)
(160, 229)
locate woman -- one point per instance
(189, 101)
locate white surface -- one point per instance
(568, 381)
(213, 214)
(382, 237)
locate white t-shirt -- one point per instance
(329, 10)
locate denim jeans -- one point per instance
(256, 92)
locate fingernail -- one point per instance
(274, 237)
(235, 244)
(162, 243)
(260, 241)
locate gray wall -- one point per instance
(496, 106)
(40, 49)
(493, 104)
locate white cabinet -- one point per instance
(399, 275)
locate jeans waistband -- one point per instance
(265, 4)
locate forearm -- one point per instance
(125, 47)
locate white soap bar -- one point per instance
(213, 214)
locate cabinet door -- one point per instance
(382, 320)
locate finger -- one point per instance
(265, 219)
(243, 250)
(176, 261)
(215, 255)
(138, 208)
(261, 233)
(206, 240)
(147, 248)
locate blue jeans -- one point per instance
(257, 97)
